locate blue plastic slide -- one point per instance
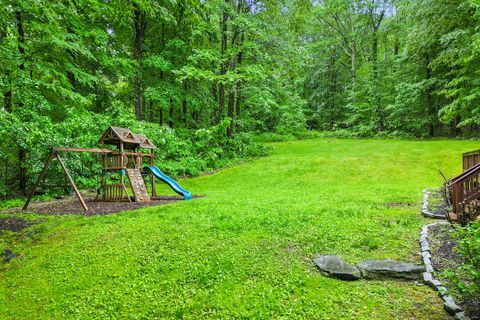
(172, 183)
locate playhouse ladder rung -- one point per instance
(138, 185)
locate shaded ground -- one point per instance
(13, 224)
(71, 205)
(436, 204)
(444, 257)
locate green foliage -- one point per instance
(348, 68)
(243, 250)
(466, 278)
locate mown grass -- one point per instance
(243, 250)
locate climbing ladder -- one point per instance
(138, 185)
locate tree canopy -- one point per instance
(70, 68)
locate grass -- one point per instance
(243, 250)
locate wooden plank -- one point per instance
(126, 193)
(39, 179)
(83, 150)
(138, 185)
(79, 196)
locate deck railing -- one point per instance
(471, 159)
(464, 189)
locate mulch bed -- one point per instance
(444, 258)
(71, 205)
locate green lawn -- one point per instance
(244, 250)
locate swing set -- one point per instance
(121, 164)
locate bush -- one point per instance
(181, 152)
(467, 276)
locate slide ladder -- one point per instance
(138, 185)
(171, 183)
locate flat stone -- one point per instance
(461, 316)
(429, 268)
(426, 261)
(436, 284)
(335, 267)
(390, 269)
(433, 283)
(427, 277)
(425, 247)
(450, 306)
(426, 254)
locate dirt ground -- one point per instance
(444, 257)
(72, 205)
(13, 224)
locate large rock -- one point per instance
(333, 266)
(390, 269)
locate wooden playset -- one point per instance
(123, 162)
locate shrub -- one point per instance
(467, 276)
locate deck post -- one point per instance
(154, 190)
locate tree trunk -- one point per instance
(184, 103)
(431, 114)
(353, 68)
(151, 110)
(375, 81)
(7, 95)
(21, 38)
(21, 152)
(22, 155)
(170, 113)
(238, 106)
(140, 23)
(231, 112)
(223, 68)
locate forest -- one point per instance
(203, 79)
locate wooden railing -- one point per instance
(123, 160)
(470, 159)
(464, 189)
(116, 192)
(115, 161)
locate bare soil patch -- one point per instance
(13, 224)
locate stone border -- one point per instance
(425, 211)
(449, 303)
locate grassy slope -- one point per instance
(243, 251)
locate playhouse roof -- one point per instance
(145, 142)
(113, 135)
